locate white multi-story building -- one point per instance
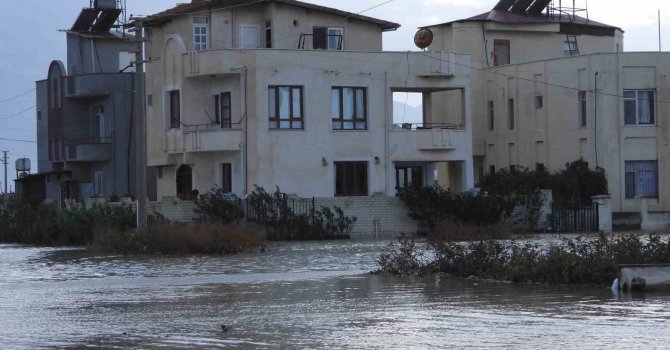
(291, 94)
(554, 87)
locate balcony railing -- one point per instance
(212, 137)
(426, 126)
(91, 149)
(302, 42)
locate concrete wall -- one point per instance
(87, 55)
(294, 159)
(553, 136)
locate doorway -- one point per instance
(184, 182)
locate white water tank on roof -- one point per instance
(22, 164)
(104, 4)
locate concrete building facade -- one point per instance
(84, 114)
(554, 87)
(290, 94)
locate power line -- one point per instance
(17, 113)
(17, 140)
(374, 7)
(17, 96)
(531, 80)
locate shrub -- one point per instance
(217, 206)
(579, 261)
(277, 213)
(435, 205)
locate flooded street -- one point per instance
(313, 295)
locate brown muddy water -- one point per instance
(313, 295)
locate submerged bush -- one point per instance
(577, 261)
(171, 238)
(45, 225)
(217, 206)
(287, 218)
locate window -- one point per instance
(99, 184)
(510, 114)
(55, 95)
(492, 119)
(222, 110)
(268, 34)
(249, 36)
(639, 107)
(285, 107)
(501, 52)
(570, 48)
(99, 131)
(641, 179)
(325, 38)
(175, 116)
(150, 99)
(39, 115)
(200, 33)
(539, 167)
(227, 178)
(226, 115)
(408, 177)
(492, 169)
(582, 109)
(539, 102)
(349, 108)
(351, 179)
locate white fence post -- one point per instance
(604, 212)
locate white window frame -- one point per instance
(570, 46)
(99, 117)
(341, 32)
(198, 27)
(258, 36)
(99, 184)
(636, 99)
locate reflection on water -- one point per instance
(299, 295)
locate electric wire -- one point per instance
(17, 113)
(17, 96)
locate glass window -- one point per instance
(226, 110)
(539, 102)
(641, 179)
(492, 120)
(582, 109)
(227, 178)
(351, 179)
(501, 52)
(175, 113)
(335, 39)
(268, 34)
(510, 114)
(570, 48)
(285, 107)
(200, 33)
(408, 177)
(349, 108)
(639, 107)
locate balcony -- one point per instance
(84, 150)
(212, 138)
(96, 85)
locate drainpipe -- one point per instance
(386, 131)
(595, 124)
(245, 152)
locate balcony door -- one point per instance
(99, 130)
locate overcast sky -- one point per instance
(31, 41)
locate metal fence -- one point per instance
(274, 207)
(575, 218)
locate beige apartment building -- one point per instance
(291, 94)
(552, 86)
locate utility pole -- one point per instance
(5, 162)
(140, 129)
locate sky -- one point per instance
(31, 41)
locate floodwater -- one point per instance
(314, 295)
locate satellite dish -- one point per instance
(423, 38)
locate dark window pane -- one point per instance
(227, 178)
(630, 112)
(175, 118)
(351, 179)
(320, 38)
(630, 185)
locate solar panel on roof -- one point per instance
(504, 5)
(106, 20)
(521, 6)
(538, 6)
(85, 20)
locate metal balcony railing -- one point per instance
(427, 126)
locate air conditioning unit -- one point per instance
(104, 4)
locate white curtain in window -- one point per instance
(645, 105)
